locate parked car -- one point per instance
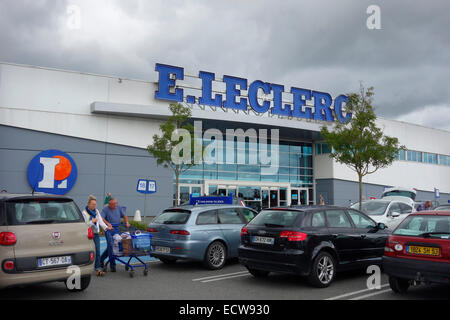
(443, 207)
(315, 242)
(40, 236)
(399, 191)
(208, 233)
(419, 250)
(389, 212)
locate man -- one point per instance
(111, 215)
(424, 206)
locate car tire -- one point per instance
(398, 285)
(215, 256)
(258, 273)
(323, 270)
(167, 260)
(84, 283)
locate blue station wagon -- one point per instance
(207, 233)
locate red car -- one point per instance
(419, 250)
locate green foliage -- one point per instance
(163, 145)
(138, 225)
(360, 144)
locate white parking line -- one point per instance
(371, 294)
(225, 278)
(220, 276)
(355, 293)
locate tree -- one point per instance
(167, 145)
(360, 144)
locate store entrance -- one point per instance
(299, 196)
(187, 189)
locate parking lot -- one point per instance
(189, 280)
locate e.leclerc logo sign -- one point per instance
(322, 101)
(52, 171)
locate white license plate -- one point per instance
(162, 249)
(54, 261)
(263, 240)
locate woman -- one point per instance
(94, 220)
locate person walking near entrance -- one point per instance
(94, 220)
(111, 215)
(321, 200)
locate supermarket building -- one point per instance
(104, 124)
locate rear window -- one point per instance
(276, 218)
(173, 217)
(425, 226)
(42, 212)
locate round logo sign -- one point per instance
(52, 171)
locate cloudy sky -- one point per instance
(321, 44)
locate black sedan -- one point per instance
(314, 241)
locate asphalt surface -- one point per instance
(190, 280)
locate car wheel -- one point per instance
(215, 256)
(398, 285)
(84, 283)
(167, 260)
(323, 270)
(258, 273)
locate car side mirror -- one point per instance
(381, 226)
(395, 214)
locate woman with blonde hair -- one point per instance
(94, 220)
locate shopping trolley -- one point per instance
(138, 246)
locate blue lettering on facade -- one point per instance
(322, 101)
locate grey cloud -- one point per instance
(322, 45)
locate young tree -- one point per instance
(360, 144)
(164, 146)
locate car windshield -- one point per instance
(425, 226)
(400, 193)
(42, 211)
(372, 208)
(276, 218)
(173, 217)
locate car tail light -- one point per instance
(244, 231)
(293, 235)
(8, 265)
(151, 230)
(90, 234)
(92, 256)
(7, 239)
(181, 232)
(389, 248)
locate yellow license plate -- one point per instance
(423, 250)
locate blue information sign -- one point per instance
(146, 186)
(210, 200)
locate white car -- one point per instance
(389, 212)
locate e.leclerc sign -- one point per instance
(322, 101)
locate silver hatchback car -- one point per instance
(208, 233)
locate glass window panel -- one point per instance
(245, 176)
(192, 174)
(272, 178)
(249, 168)
(326, 148)
(210, 174)
(307, 149)
(283, 170)
(226, 175)
(283, 178)
(226, 167)
(294, 160)
(284, 160)
(402, 154)
(212, 190)
(295, 149)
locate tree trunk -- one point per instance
(177, 192)
(360, 191)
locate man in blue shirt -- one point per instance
(112, 215)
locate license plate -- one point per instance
(162, 249)
(423, 250)
(54, 261)
(263, 240)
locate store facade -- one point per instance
(105, 123)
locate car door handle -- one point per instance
(335, 235)
(363, 236)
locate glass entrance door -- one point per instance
(185, 190)
(273, 198)
(299, 196)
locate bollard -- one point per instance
(137, 216)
